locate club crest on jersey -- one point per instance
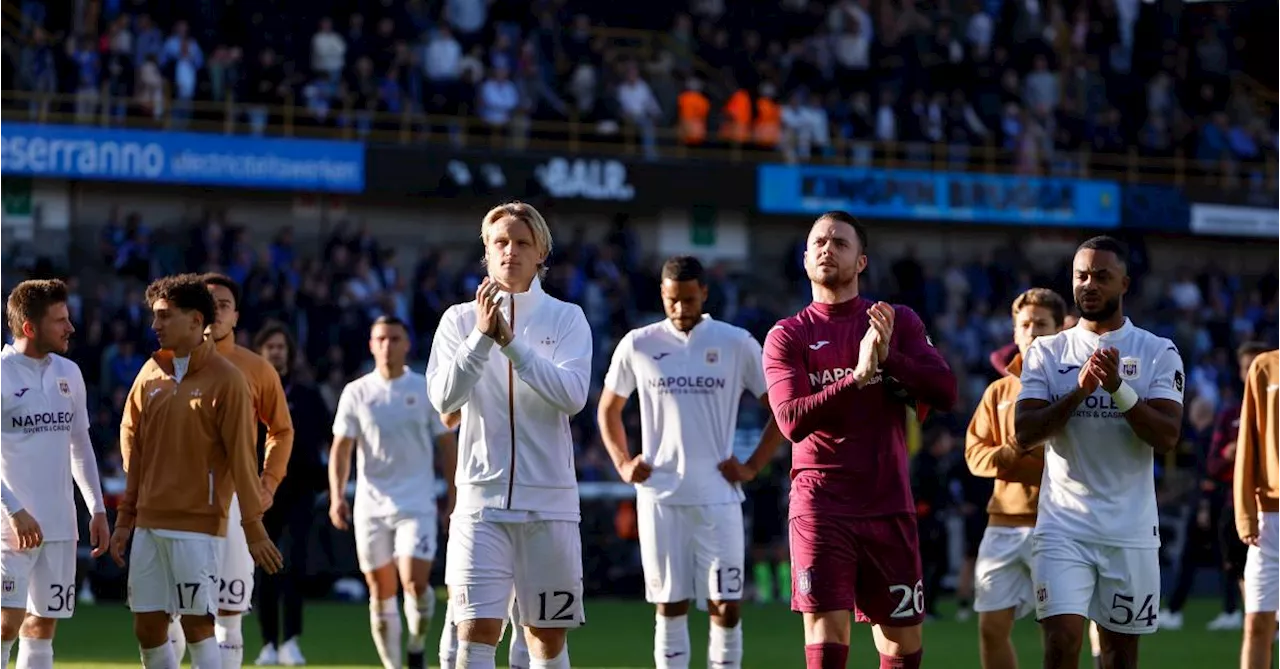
(9, 585)
(1178, 382)
(64, 387)
(411, 400)
(713, 356)
(804, 581)
(1129, 369)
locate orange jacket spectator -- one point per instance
(768, 126)
(694, 109)
(737, 118)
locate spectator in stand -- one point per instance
(640, 108)
(328, 51)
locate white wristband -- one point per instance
(1125, 397)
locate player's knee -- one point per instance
(11, 623)
(487, 631)
(416, 586)
(35, 627)
(674, 609)
(899, 641)
(725, 614)
(1260, 627)
(546, 642)
(197, 628)
(151, 629)
(995, 626)
(1062, 636)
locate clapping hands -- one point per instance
(875, 343)
(1101, 369)
(489, 318)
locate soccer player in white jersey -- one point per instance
(44, 445)
(690, 371)
(517, 362)
(1103, 397)
(386, 414)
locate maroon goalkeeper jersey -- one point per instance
(849, 454)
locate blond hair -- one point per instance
(531, 217)
(1042, 297)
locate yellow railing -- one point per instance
(574, 137)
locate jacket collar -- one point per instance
(200, 356)
(226, 344)
(527, 302)
(1014, 368)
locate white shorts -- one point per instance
(539, 562)
(1262, 568)
(235, 580)
(41, 580)
(174, 572)
(691, 552)
(382, 539)
(1118, 588)
(1003, 571)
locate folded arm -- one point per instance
(1158, 422)
(563, 379)
(455, 364)
(9, 502)
(798, 412)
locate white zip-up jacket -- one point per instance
(515, 450)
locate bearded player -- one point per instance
(44, 446)
(840, 376)
(1104, 398)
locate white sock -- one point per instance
(417, 613)
(177, 639)
(518, 651)
(35, 653)
(560, 661)
(384, 620)
(205, 654)
(8, 648)
(448, 639)
(160, 657)
(725, 649)
(226, 629)
(671, 642)
(473, 655)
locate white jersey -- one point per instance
(395, 430)
(690, 387)
(44, 443)
(1099, 479)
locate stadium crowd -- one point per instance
(1040, 80)
(329, 290)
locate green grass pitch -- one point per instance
(619, 634)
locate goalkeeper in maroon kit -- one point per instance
(840, 375)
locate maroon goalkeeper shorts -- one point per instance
(870, 566)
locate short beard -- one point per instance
(835, 281)
(1109, 309)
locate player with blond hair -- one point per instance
(517, 363)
